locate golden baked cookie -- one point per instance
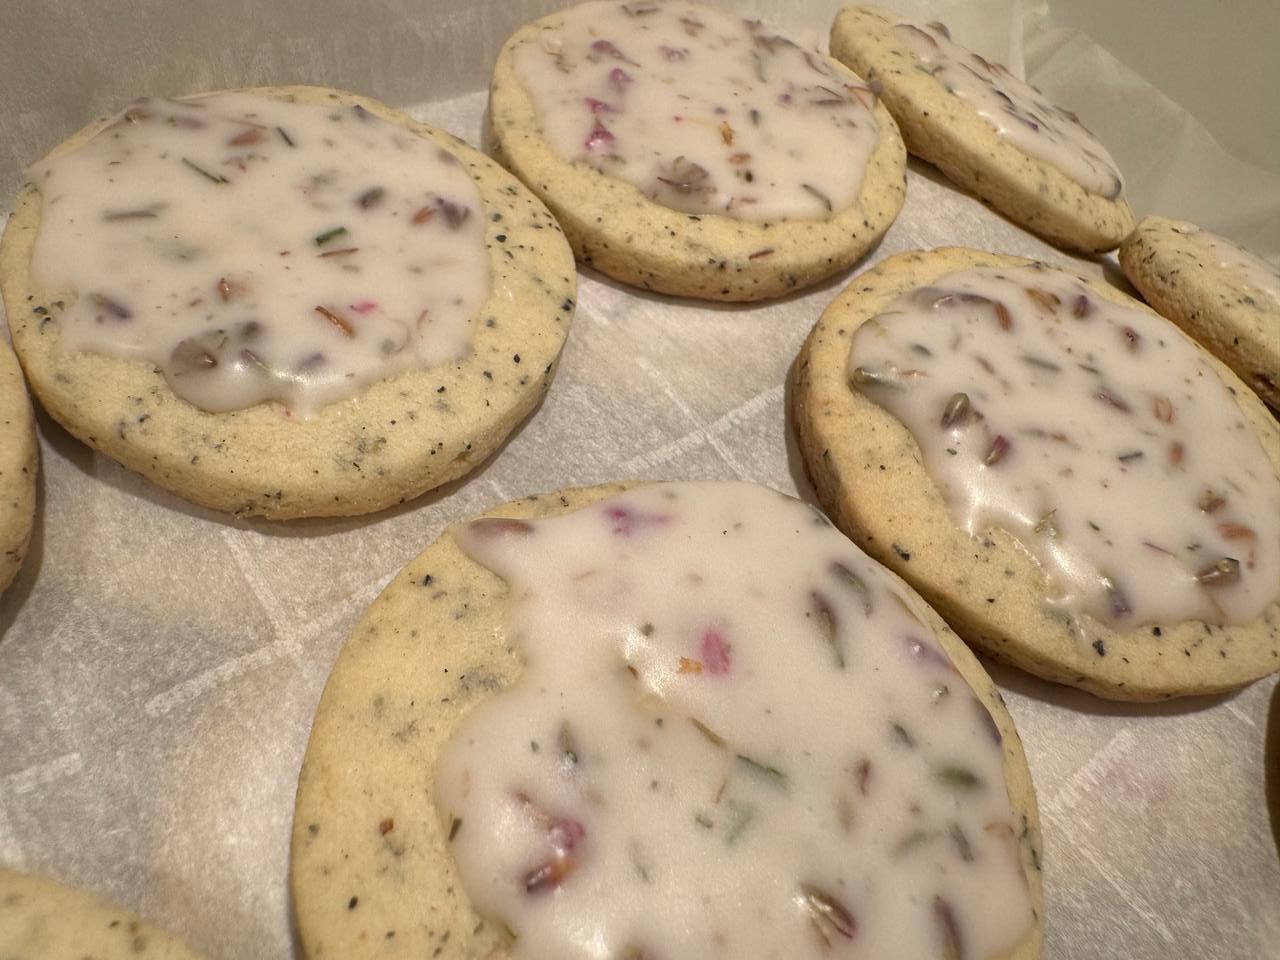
(1222, 295)
(869, 474)
(18, 466)
(622, 231)
(371, 871)
(401, 436)
(43, 920)
(948, 132)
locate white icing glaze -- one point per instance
(1018, 111)
(1094, 433)
(731, 738)
(702, 111)
(204, 236)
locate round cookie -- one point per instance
(401, 437)
(1178, 268)
(950, 134)
(17, 467)
(867, 470)
(371, 874)
(613, 227)
(43, 920)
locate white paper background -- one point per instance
(160, 665)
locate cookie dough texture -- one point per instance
(43, 920)
(17, 467)
(371, 872)
(1171, 263)
(403, 436)
(869, 476)
(950, 134)
(616, 229)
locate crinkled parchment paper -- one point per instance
(160, 665)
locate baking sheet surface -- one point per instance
(160, 664)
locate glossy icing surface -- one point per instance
(732, 737)
(702, 111)
(255, 249)
(1018, 111)
(1093, 432)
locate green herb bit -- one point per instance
(323, 238)
(852, 580)
(214, 177)
(143, 213)
(116, 309)
(830, 917)
(1040, 363)
(370, 198)
(770, 775)
(702, 820)
(910, 841)
(1223, 573)
(1210, 502)
(827, 624)
(902, 735)
(963, 847)
(1131, 456)
(742, 815)
(285, 137)
(958, 778)
(454, 826)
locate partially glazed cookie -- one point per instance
(18, 467)
(1075, 485)
(1219, 293)
(43, 920)
(426, 826)
(988, 131)
(688, 151)
(287, 302)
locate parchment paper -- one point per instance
(160, 665)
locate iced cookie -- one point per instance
(988, 131)
(1073, 483)
(17, 467)
(566, 722)
(43, 920)
(288, 302)
(1221, 294)
(689, 151)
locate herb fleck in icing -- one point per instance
(1018, 111)
(255, 249)
(732, 737)
(1095, 433)
(702, 111)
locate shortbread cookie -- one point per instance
(1075, 485)
(1222, 295)
(43, 920)
(17, 467)
(367, 306)
(989, 132)
(391, 846)
(688, 151)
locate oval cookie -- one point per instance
(403, 435)
(621, 231)
(1224, 296)
(869, 473)
(44, 920)
(371, 870)
(948, 132)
